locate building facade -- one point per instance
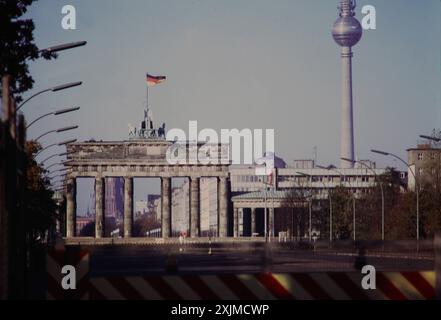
(425, 165)
(126, 160)
(253, 194)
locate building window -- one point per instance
(433, 156)
(420, 171)
(420, 156)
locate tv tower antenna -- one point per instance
(347, 32)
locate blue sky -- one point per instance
(243, 64)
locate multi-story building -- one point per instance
(114, 198)
(252, 193)
(154, 205)
(359, 179)
(304, 174)
(425, 163)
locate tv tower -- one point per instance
(347, 31)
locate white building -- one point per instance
(304, 174)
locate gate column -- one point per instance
(223, 207)
(128, 206)
(99, 205)
(194, 207)
(70, 208)
(165, 203)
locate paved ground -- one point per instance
(143, 260)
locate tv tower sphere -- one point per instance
(347, 31)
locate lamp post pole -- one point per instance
(55, 144)
(55, 113)
(57, 131)
(382, 192)
(330, 202)
(53, 89)
(63, 163)
(331, 167)
(416, 187)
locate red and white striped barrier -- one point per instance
(266, 286)
(55, 260)
(301, 286)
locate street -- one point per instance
(156, 260)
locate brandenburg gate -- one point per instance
(145, 158)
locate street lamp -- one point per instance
(381, 188)
(53, 89)
(63, 47)
(60, 180)
(330, 201)
(57, 131)
(266, 218)
(55, 113)
(333, 168)
(416, 186)
(62, 163)
(57, 174)
(309, 203)
(434, 139)
(55, 155)
(58, 171)
(62, 174)
(60, 144)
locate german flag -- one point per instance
(154, 80)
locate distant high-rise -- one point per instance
(347, 32)
(114, 198)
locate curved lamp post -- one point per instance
(381, 188)
(333, 168)
(57, 131)
(330, 201)
(63, 47)
(53, 89)
(59, 171)
(62, 163)
(60, 179)
(55, 113)
(62, 174)
(384, 153)
(309, 202)
(56, 144)
(431, 138)
(55, 155)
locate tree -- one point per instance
(369, 215)
(88, 230)
(342, 213)
(295, 209)
(144, 223)
(17, 45)
(40, 208)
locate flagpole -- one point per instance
(147, 97)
